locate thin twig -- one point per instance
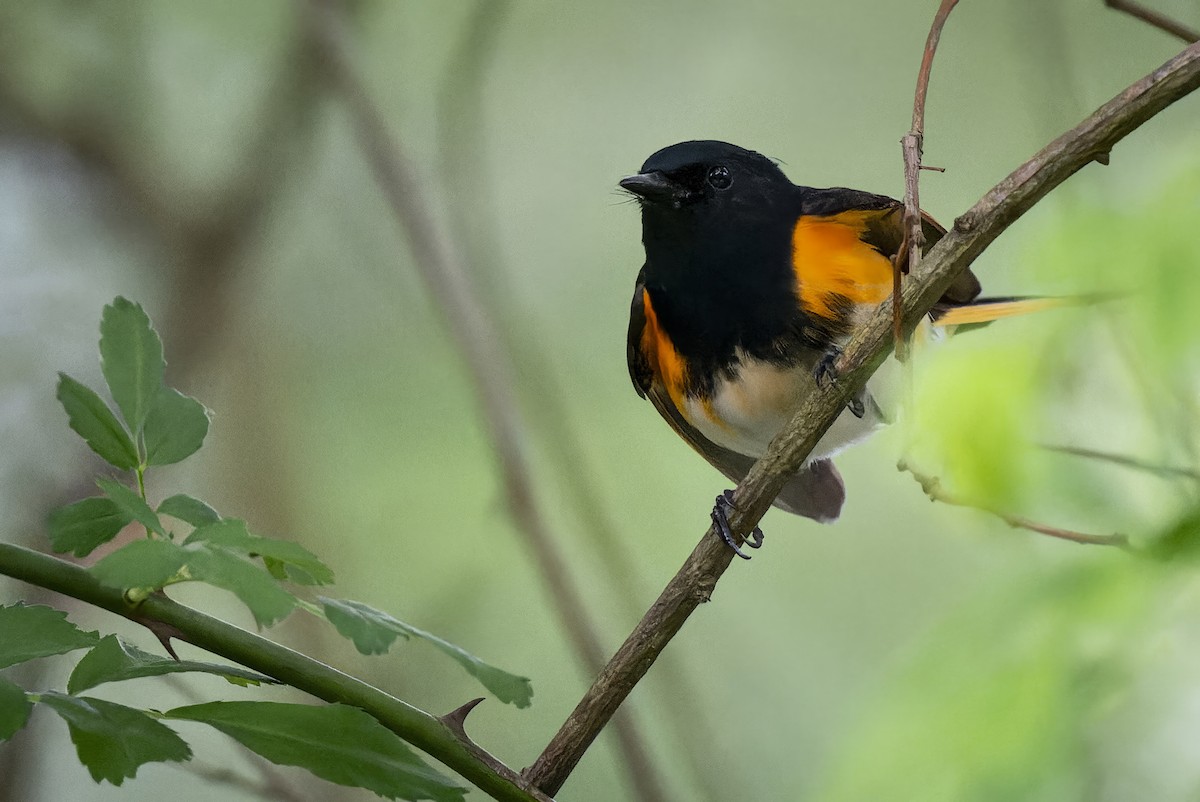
(1172, 471)
(954, 253)
(932, 486)
(475, 334)
(462, 138)
(912, 144)
(1155, 18)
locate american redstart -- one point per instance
(751, 286)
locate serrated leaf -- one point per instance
(189, 510)
(132, 504)
(268, 602)
(336, 742)
(131, 356)
(141, 564)
(113, 660)
(373, 632)
(113, 740)
(175, 427)
(29, 631)
(14, 709)
(232, 534)
(92, 420)
(81, 527)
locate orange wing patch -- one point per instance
(831, 259)
(665, 361)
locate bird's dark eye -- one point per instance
(719, 177)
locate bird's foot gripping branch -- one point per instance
(361, 738)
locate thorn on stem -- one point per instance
(456, 719)
(163, 632)
(931, 168)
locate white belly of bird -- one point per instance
(745, 415)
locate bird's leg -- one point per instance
(826, 373)
(720, 517)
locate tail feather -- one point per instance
(985, 310)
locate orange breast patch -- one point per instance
(830, 258)
(664, 360)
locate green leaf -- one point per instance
(175, 427)
(113, 660)
(92, 420)
(14, 709)
(131, 356)
(132, 504)
(112, 740)
(86, 524)
(141, 564)
(336, 742)
(189, 510)
(33, 631)
(268, 602)
(1179, 543)
(374, 631)
(232, 534)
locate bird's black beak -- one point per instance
(651, 186)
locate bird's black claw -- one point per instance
(720, 517)
(857, 407)
(825, 372)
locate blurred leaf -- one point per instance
(232, 534)
(132, 504)
(1180, 542)
(175, 427)
(86, 524)
(268, 602)
(974, 413)
(189, 510)
(336, 742)
(993, 706)
(33, 631)
(14, 709)
(113, 660)
(131, 356)
(92, 420)
(374, 631)
(112, 740)
(143, 563)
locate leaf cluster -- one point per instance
(184, 539)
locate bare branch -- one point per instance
(1155, 18)
(908, 257)
(932, 486)
(1170, 471)
(476, 336)
(971, 234)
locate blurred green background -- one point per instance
(190, 156)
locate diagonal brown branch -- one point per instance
(476, 336)
(971, 234)
(1155, 18)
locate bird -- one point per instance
(751, 286)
